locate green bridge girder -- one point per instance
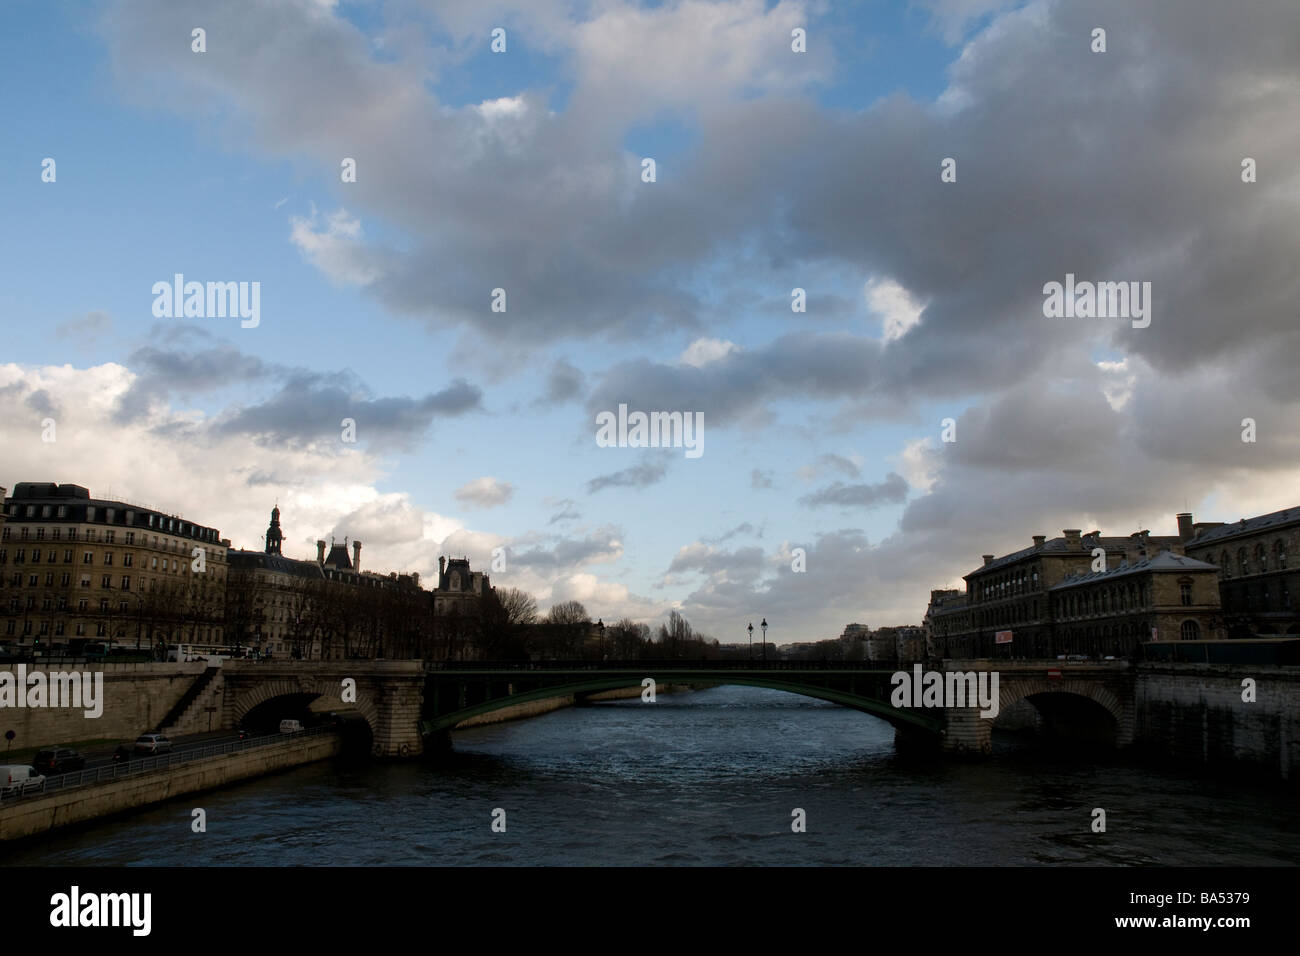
(454, 695)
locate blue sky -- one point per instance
(476, 169)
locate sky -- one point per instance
(825, 492)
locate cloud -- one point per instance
(484, 493)
(564, 383)
(702, 352)
(893, 490)
(86, 330)
(637, 476)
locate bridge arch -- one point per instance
(1084, 710)
(263, 692)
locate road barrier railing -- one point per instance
(138, 765)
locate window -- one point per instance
(1242, 561)
(154, 564)
(49, 578)
(20, 556)
(130, 535)
(40, 534)
(81, 604)
(106, 581)
(36, 555)
(109, 536)
(31, 581)
(64, 578)
(109, 513)
(1190, 631)
(1185, 592)
(87, 557)
(81, 630)
(128, 559)
(67, 556)
(1279, 555)
(58, 625)
(56, 534)
(126, 582)
(54, 556)
(103, 604)
(108, 557)
(63, 511)
(24, 533)
(85, 580)
(101, 630)
(90, 513)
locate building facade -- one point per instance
(1007, 609)
(1259, 586)
(327, 609)
(76, 568)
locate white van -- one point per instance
(14, 777)
(290, 726)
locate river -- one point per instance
(709, 777)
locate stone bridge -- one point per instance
(388, 695)
(405, 701)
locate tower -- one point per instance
(273, 534)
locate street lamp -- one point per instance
(751, 640)
(764, 627)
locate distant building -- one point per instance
(323, 609)
(1258, 588)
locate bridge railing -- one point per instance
(658, 665)
(143, 765)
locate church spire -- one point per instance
(273, 535)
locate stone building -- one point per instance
(322, 609)
(1007, 607)
(1258, 587)
(75, 567)
(1162, 597)
(457, 607)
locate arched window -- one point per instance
(1242, 561)
(1225, 565)
(1261, 562)
(1191, 631)
(1279, 555)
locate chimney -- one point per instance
(320, 552)
(356, 556)
(415, 578)
(1039, 539)
(1185, 527)
(1073, 539)
(442, 568)
(988, 559)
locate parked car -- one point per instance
(17, 777)
(59, 760)
(152, 744)
(290, 726)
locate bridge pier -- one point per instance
(966, 731)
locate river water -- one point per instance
(709, 777)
